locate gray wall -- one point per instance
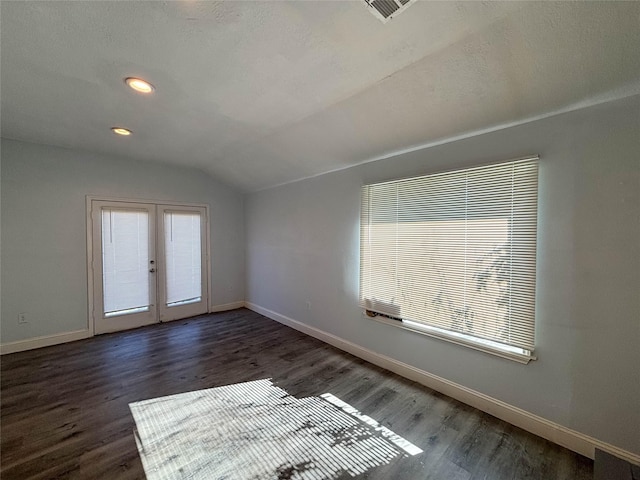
(303, 241)
(44, 271)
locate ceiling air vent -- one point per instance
(385, 10)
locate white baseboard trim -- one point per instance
(48, 340)
(45, 341)
(571, 439)
(226, 306)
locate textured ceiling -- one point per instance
(262, 93)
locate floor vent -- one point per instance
(385, 10)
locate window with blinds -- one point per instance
(453, 255)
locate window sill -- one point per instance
(513, 356)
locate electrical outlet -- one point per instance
(22, 318)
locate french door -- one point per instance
(149, 263)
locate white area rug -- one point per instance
(255, 430)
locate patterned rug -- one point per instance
(255, 430)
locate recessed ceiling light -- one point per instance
(121, 131)
(139, 85)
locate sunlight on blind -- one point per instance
(125, 261)
(183, 257)
(455, 251)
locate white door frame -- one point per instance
(91, 304)
(129, 320)
(166, 313)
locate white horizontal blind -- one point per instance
(455, 251)
(125, 261)
(183, 257)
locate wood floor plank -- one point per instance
(64, 409)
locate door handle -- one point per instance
(153, 270)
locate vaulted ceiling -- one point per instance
(262, 93)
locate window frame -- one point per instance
(498, 349)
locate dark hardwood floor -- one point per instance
(65, 414)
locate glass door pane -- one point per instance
(183, 257)
(125, 261)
